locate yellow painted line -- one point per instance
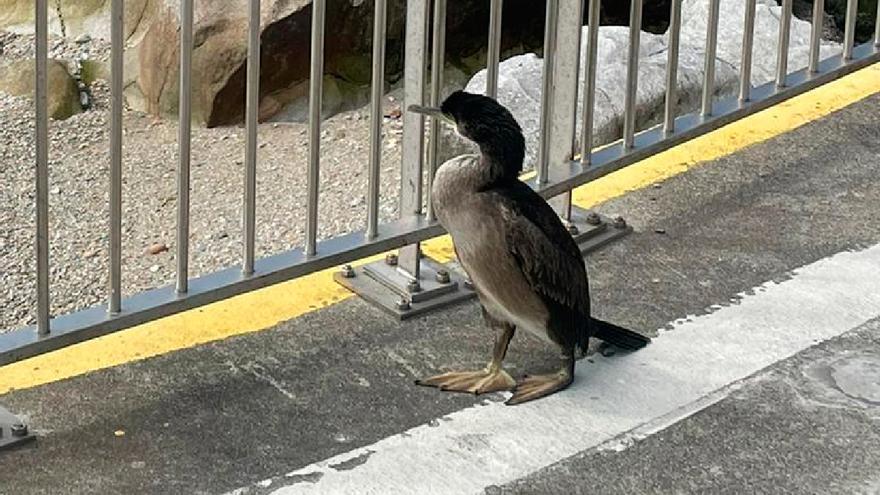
(266, 307)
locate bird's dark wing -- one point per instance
(549, 258)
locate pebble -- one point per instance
(156, 248)
(155, 268)
(607, 351)
(83, 39)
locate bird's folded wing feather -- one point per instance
(544, 250)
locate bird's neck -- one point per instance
(503, 160)
(493, 171)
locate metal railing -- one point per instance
(557, 171)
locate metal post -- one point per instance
(576, 49)
(590, 82)
(117, 39)
(709, 62)
(251, 121)
(562, 130)
(316, 83)
(672, 68)
(782, 44)
(376, 117)
(550, 27)
(877, 27)
(438, 59)
(849, 32)
(494, 50)
(184, 146)
(413, 142)
(41, 18)
(632, 74)
(816, 34)
(745, 70)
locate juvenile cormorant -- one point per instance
(526, 269)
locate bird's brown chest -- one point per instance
(478, 228)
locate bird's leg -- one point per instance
(535, 387)
(491, 379)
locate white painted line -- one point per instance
(495, 444)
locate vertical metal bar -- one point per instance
(564, 114)
(316, 84)
(590, 81)
(877, 27)
(849, 32)
(251, 120)
(41, 18)
(632, 74)
(415, 71)
(494, 50)
(184, 135)
(412, 156)
(782, 44)
(438, 60)
(709, 62)
(816, 34)
(672, 68)
(579, 15)
(376, 117)
(745, 70)
(117, 39)
(550, 27)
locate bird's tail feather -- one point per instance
(618, 336)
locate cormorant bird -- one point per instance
(526, 269)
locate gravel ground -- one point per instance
(79, 193)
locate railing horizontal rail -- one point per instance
(94, 322)
(157, 303)
(649, 142)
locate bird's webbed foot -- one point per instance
(535, 387)
(475, 382)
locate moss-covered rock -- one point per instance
(17, 79)
(93, 70)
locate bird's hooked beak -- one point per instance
(431, 112)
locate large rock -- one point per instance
(152, 54)
(76, 17)
(17, 79)
(520, 76)
(151, 31)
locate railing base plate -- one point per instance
(594, 231)
(385, 287)
(13, 431)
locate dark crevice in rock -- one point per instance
(285, 46)
(835, 18)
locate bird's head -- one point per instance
(488, 124)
